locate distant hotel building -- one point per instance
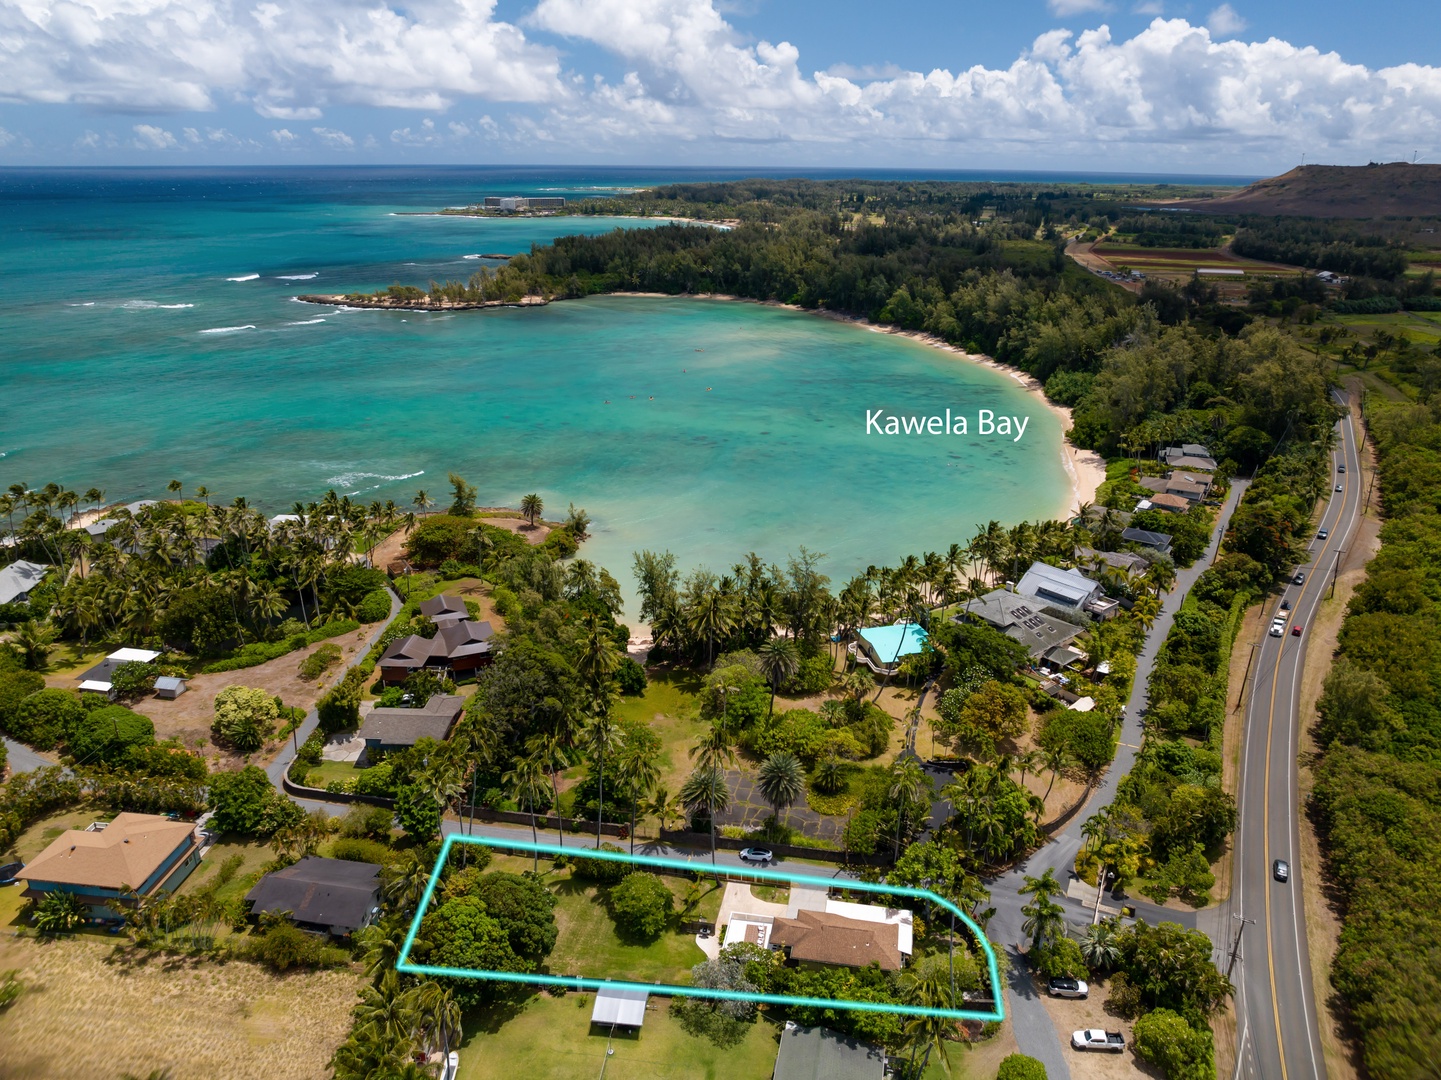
(512, 203)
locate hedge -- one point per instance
(260, 652)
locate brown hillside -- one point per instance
(1344, 191)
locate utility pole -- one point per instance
(1246, 674)
(1236, 945)
(1335, 569)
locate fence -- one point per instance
(792, 851)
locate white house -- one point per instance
(17, 579)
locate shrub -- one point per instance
(15, 687)
(604, 871)
(418, 812)
(311, 749)
(106, 734)
(1020, 1066)
(57, 911)
(367, 823)
(505, 602)
(362, 850)
(630, 677)
(320, 661)
(1060, 958)
(376, 780)
(814, 675)
(339, 709)
(294, 636)
(641, 906)
(245, 803)
(283, 946)
(375, 606)
(46, 717)
(1181, 1052)
(244, 718)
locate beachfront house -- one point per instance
(386, 729)
(1020, 619)
(17, 579)
(323, 896)
(882, 648)
(1052, 586)
(143, 854)
(1089, 561)
(461, 645)
(1172, 504)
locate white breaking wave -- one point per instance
(87, 303)
(148, 305)
(354, 479)
(472, 256)
(305, 322)
(243, 277)
(228, 329)
(295, 277)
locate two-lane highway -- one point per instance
(1278, 1033)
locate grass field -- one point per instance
(552, 1039)
(253, 857)
(670, 707)
(327, 771)
(1422, 327)
(94, 1008)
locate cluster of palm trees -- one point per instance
(121, 585)
(396, 1022)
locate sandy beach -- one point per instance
(1086, 468)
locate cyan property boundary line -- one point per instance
(579, 982)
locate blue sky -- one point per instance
(1241, 87)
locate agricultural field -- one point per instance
(1421, 327)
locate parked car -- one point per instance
(1278, 626)
(1281, 869)
(1321, 534)
(1296, 630)
(1068, 988)
(1096, 1039)
(757, 855)
(1300, 578)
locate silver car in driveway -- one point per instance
(1068, 988)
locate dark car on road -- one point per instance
(1282, 870)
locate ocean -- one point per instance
(149, 332)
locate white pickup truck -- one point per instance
(1096, 1039)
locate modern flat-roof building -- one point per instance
(17, 579)
(882, 648)
(142, 853)
(334, 896)
(395, 729)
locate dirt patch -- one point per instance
(1068, 1015)
(534, 534)
(1323, 922)
(98, 1009)
(188, 717)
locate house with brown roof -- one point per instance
(1174, 504)
(144, 854)
(459, 648)
(444, 610)
(821, 937)
(385, 729)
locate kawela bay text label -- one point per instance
(880, 422)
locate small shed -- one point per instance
(169, 687)
(1085, 704)
(619, 1008)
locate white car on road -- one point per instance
(1278, 626)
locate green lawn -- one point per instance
(327, 771)
(253, 857)
(589, 945)
(669, 706)
(1418, 326)
(552, 1039)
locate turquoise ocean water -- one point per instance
(148, 331)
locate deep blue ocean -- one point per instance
(149, 332)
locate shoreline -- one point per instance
(1085, 469)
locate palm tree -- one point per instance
(601, 735)
(1027, 761)
(640, 773)
(779, 661)
(928, 990)
(781, 780)
(174, 487)
(437, 1015)
(705, 789)
(908, 785)
(407, 886)
(713, 750)
(553, 754)
(34, 641)
(710, 617)
(1100, 947)
(1043, 887)
(1055, 760)
(600, 658)
(526, 777)
(1045, 921)
(532, 506)
(382, 942)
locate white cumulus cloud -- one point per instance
(149, 137)
(1066, 8)
(1224, 21)
(336, 140)
(283, 136)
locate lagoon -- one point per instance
(151, 333)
